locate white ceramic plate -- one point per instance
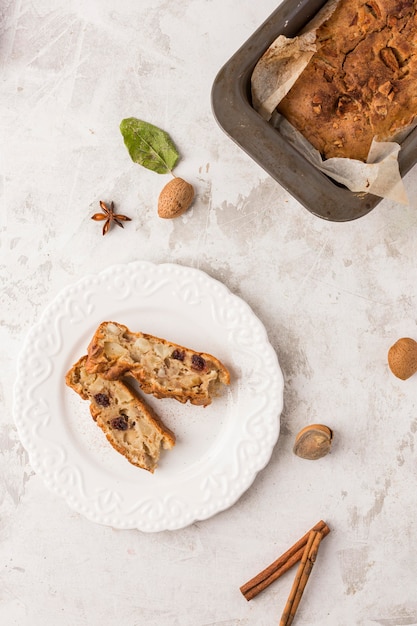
(219, 449)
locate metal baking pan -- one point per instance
(232, 108)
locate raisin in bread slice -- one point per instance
(129, 424)
(161, 368)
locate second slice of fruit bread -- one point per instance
(162, 368)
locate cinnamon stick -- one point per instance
(262, 580)
(304, 570)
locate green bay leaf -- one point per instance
(148, 145)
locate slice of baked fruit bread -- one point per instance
(162, 368)
(131, 426)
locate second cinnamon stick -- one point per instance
(301, 578)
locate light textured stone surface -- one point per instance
(333, 298)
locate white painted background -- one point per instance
(333, 298)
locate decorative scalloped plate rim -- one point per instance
(220, 448)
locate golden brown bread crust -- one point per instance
(361, 83)
(129, 424)
(162, 368)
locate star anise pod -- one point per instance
(110, 216)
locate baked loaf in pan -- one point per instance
(163, 369)
(361, 83)
(129, 424)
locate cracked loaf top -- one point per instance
(361, 82)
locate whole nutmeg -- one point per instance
(175, 198)
(402, 358)
(313, 442)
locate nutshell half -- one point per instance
(313, 442)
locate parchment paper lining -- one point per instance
(274, 75)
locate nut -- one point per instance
(313, 442)
(402, 358)
(373, 8)
(385, 88)
(175, 198)
(389, 58)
